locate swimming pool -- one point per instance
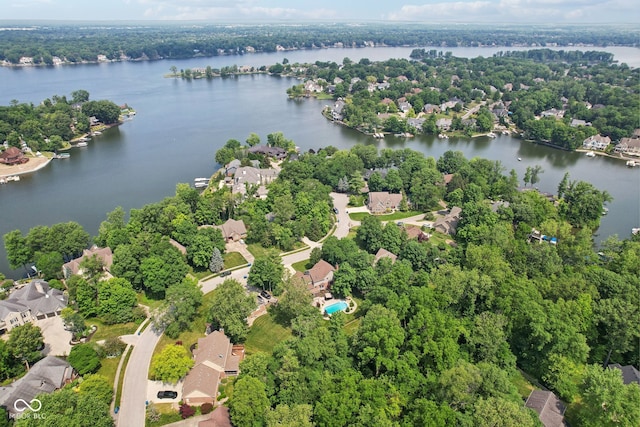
(339, 306)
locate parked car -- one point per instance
(167, 394)
(265, 294)
(225, 273)
(335, 211)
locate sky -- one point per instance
(266, 11)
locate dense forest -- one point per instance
(559, 97)
(77, 44)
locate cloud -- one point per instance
(510, 11)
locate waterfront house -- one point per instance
(416, 123)
(318, 278)
(336, 110)
(629, 373)
(103, 254)
(45, 376)
(383, 201)
(35, 300)
(215, 358)
(13, 156)
(277, 153)
(549, 408)
(249, 176)
(444, 124)
(448, 223)
(596, 142)
(629, 146)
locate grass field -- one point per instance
(256, 250)
(264, 335)
(121, 379)
(233, 259)
(107, 331)
(359, 216)
(108, 368)
(300, 266)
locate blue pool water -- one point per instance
(339, 306)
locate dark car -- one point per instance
(167, 394)
(265, 295)
(225, 273)
(335, 211)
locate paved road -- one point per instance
(134, 389)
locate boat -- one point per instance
(491, 135)
(591, 154)
(97, 132)
(81, 144)
(13, 178)
(201, 184)
(443, 136)
(201, 179)
(519, 159)
(605, 211)
(631, 163)
(635, 231)
(62, 156)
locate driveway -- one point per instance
(153, 387)
(56, 339)
(241, 248)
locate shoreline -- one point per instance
(33, 165)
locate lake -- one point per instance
(181, 124)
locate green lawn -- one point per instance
(121, 378)
(359, 216)
(107, 331)
(300, 266)
(144, 300)
(108, 368)
(351, 327)
(522, 384)
(256, 250)
(233, 259)
(264, 335)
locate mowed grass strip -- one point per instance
(359, 216)
(265, 334)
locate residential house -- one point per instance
(629, 373)
(416, 123)
(414, 232)
(336, 110)
(319, 278)
(448, 223)
(13, 156)
(596, 142)
(383, 86)
(444, 124)
(383, 201)
(219, 418)
(249, 176)
(404, 106)
(45, 376)
(451, 104)
(312, 86)
(629, 146)
(386, 101)
(233, 230)
(508, 87)
(577, 122)
(430, 108)
(549, 408)
(103, 254)
(383, 253)
(446, 178)
(382, 171)
(558, 114)
(277, 153)
(215, 358)
(231, 168)
(35, 300)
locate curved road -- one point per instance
(134, 390)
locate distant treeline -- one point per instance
(75, 44)
(538, 55)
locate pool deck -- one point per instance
(323, 303)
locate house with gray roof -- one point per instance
(549, 408)
(249, 176)
(448, 223)
(45, 376)
(383, 201)
(35, 300)
(629, 373)
(103, 254)
(596, 142)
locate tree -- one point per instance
(116, 300)
(290, 416)
(25, 341)
(378, 340)
(266, 272)
(535, 172)
(18, 253)
(606, 400)
(230, 307)
(527, 176)
(344, 280)
(249, 405)
(294, 302)
(217, 263)
(582, 204)
(200, 251)
(253, 139)
(171, 364)
(79, 96)
(162, 271)
(174, 70)
(73, 321)
(84, 359)
(97, 386)
(498, 412)
(180, 307)
(113, 347)
(49, 264)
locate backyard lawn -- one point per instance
(300, 266)
(233, 259)
(264, 335)
(106, 331)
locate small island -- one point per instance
(34, 135)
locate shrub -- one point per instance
(206, 408)
(113, 347)
(186, 411)
(84, 359)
